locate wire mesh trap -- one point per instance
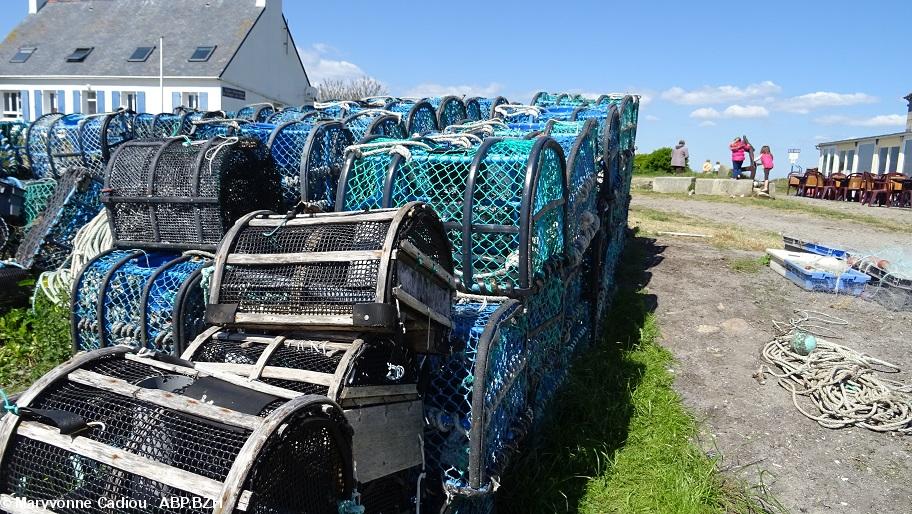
(450, 110)
(86, 140)
(256, 112)
(36, 144)
(420, 116)
(386, 270)
(501, 202)
(375, 122)
(169, 438)
(480, 108)
(151, 300)
(74, 203)
(177, 195)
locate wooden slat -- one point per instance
(422, 309)
(319, 219)
(386, 438)
(261, 259)
(244, 370)
(15, 505)
(198, 341)
(264, 357)
(420, 258)
(342, 369)
(294, 320)
(232, 378)
(165, 399)
(317, 342)
(183, 370)
(125, 461)
(385, 390)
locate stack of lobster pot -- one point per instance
(345, 306)
(169, 203)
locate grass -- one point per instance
(31, 343)
(722, 235)
(781, 204)
(619, 439)
(749, 265)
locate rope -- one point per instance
(841, 383)
(391, 147)
(92, 239)
(465, 139)
(509, 110)
(8, 406)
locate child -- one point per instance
(766, 160)
(707, 166)
(737, 148)
(717, 167)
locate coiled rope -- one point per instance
(92, 239)
(841, 383)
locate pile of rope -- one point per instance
(842, 384)
(92, 239)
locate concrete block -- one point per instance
(723, 187)
(672, 184)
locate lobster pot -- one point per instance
(150, 300)
(74, 203)
(450, 110)
(168, 438)
(375, 122)
(502, 203)
(172, 195)
(292, 114)
(480, 108)
(336, 110)
(604, 115)
(36, 145)
(420, 117)
(379, 271)
(477, 401)
(63, 143)
(543, 99)
(206, 129)
(583, 220)
(258, 113)
(259, 131)
(309, 158)
(190, 118)
(37, 195)
(13, 152)
(100, 134)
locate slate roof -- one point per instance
(116, 27)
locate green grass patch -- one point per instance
(721, 235)
(31, 343)
(618, 439)
(781, 204)
(748, 264)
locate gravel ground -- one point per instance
(716, 321)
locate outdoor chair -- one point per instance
(835, 187)
(794, 180)
(895, 185)
(854, 189)
(876, 189)
(812, 184)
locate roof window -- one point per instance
(202, 53)
(80, 54)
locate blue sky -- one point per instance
(788, 74)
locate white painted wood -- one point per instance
(125, 461)
(266, 259)
(198, 341)
(183, 370)
(386, 438)
(165, 399)
(264, 357)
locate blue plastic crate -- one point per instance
(797, 245)
(850, 282)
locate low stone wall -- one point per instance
(672, 184)
(723, 187)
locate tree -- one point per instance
(351, 89)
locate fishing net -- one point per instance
(99, 135)
(292, 114)
(177, 195)
(37, 195)
(258, 113)
(450, 111)
(37, 145)
(74, 203)
(420, 117)
(375, 122)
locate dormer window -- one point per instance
(80, 54)
(141, 54)
(23, 54)
(201, 54)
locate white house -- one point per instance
(95, 55)
(880, 154)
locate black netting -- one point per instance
(392, 494)
(383, 362)
(306, 467)
(39, 471)
(187, 195)
(313, 238)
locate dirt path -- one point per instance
(836, 232)
(716, 320)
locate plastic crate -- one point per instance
(12, 201)
(850, 282)
(797, 245)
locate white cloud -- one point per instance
(745, 111)
(805, 103)
(706, 113)
(650, 117)
(720, 94)
(432, 89)
(707, 123)
(320, 66)
(882, 120)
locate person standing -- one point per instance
(707, 167)
(766, 160)
(737, 147)
(717, 168)
(679, 157)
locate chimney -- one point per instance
(908, 98)
(36, 5)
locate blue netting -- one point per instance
(63, 143)
(473, 109)
(450, 110)
(37, 141)
(204, 130)
(170, 299)
(287, 150)
(121, 307)
(142, 125)
(420, 117)
(168, 125)
(369, 122)
(99, 135)
(84, 319)
(261, 131)
(324, 156)
(293, 114)
(37, 195)
(256, 112)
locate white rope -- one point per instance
(465, 140)
(510, 110)
(841, 383)
(378, 113)
(339, 103)
(390, 147)
(92, 239)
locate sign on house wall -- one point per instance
(237, 94)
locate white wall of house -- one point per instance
(875, 154)
(282, 75)
(73, 95)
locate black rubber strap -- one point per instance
(67, 422)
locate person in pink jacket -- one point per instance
(766, 160)
(738, 148)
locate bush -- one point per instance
(32, 342)
(355, 89)
(656, 163)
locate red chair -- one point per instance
(877, 189)
(835, 187)
(895, 185)
(812, 184)
(794, 180)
